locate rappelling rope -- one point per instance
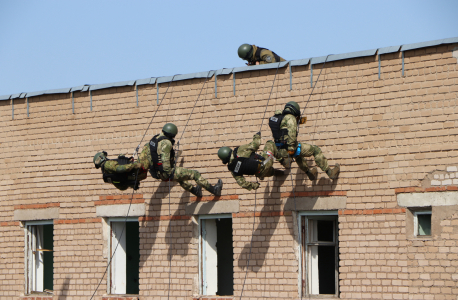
(176, 161)
(255, 192)
(133, 191)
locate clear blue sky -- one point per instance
(57, 44)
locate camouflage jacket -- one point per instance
(289, 122)
(266, 56)
(245, 151)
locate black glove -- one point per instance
(258, 133)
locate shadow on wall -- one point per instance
(266, 227)
(64, 292)
(268, 224)
(149, 229)
(177, 240)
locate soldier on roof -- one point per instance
(257, 56)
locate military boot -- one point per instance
(216, 189)
(196, 191)
(334, 172)
(312, 173)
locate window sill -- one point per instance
(213, 298)
(37, 296)
(120, 297)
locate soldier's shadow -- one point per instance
(266, 227)
(149, 228)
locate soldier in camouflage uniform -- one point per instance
(284, 125)
(257, 56)
(122, 172)
(243, 160)
(158, 155)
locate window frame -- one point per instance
(30, 240)
(415, 222)
(304, 271)
(110, 257)
(202, 252)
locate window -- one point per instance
(125, 253)
(39, 256)
(216, 268)
(422, 223)
(319, 259)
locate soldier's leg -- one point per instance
(280, 154)
(309, 150)
(182, 174)
(269, 152)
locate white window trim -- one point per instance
(29, 257)
(299, 222)
(415, 221)
(202, 275)
(111, 247)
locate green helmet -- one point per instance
(170, 130)
(99, 158)
(294, 108)
(224, 153)
(245, 51)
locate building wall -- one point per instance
(388, 134)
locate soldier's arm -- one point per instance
(242, 182)
(291, 139)
(267, 57)
(165, 148)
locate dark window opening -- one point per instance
(132, 258)
(48, 262)
(225, 254)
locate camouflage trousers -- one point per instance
(182, 175)
(306, 151)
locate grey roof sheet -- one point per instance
(20, 95)
(49, 92)
(111, 85)
(260, 67)
(151, 80)
(224, 71)
(386, 50)
(299, 62)
(335, 57)
(429, 44)
(5, 97)
(81, 88)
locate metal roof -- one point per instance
(5, 97)
(111, 85)
(429, 44)
(227, 71)
(151, 80)
(390, 49)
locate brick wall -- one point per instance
(388, 134)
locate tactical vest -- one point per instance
(257, 55)
(275, 125)
(245, 166)
(156, 164)
(122, 178)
